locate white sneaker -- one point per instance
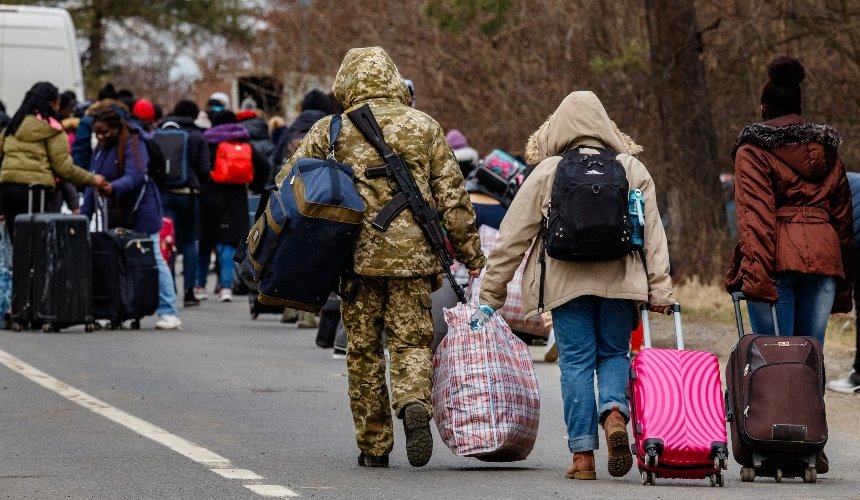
(226, 295)
(168, 322)
(847, 385)
(200, 293)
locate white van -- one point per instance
(37, 44)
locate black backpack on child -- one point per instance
(588, 214)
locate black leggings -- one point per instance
(16, 199)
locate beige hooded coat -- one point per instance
(580, 120)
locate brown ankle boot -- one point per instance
(620, 457)
(582, 466)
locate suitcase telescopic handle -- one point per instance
(646, 327)
(737, 297)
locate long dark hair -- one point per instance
(114, 118)
(36, 101)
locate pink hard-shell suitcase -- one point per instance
(678, 415)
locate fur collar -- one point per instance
(768, 136)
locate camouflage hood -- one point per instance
(368, 73)
(580, 119)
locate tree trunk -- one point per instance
(97, 61)
(690, 189)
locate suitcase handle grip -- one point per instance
(737, 297)
(646, 327)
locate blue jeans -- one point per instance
(166, 290)
(803, 307)
(184, 210)
(225, 264)
(592, 333)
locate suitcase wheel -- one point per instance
(717, 479)
(651, 457)
(810, 475)
(648, 477)
(721, 461)
(747, 474)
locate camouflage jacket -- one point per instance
(369, 76)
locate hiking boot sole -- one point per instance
(620, 458)
(419, 440)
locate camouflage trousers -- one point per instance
(401, 307)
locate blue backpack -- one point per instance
(305, 232)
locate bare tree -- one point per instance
(690, 182)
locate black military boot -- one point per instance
(419, 440)
(366, 460)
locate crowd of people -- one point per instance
(791, 187)
(97, 155)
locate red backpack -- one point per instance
(233, 163)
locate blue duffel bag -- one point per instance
(303, 241)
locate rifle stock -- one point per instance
(409, 194)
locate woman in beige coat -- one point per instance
(593, 304)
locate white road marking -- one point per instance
(237, 473)
(271, 490)
(197, 453)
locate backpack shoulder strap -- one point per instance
(333, 133)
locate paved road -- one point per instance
(234, 408)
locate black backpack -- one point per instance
(155, 170)
(588, 213)
(172, 142)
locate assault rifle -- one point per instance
(408, 197)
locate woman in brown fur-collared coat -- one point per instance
(794, 214)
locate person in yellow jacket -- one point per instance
(35, 151)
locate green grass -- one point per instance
(711, 302)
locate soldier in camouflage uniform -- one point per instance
(396, 268)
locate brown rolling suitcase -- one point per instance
(775, 403)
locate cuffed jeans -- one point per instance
(166, 290)
(803, 307)
(183, 208)
(592, 333)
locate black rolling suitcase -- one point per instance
(51, 279)
(775, 403)
(125, 275)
